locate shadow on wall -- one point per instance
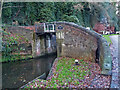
(44, 43)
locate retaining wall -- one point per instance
(78, 42)
(21, 31)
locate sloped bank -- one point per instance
(65, 74)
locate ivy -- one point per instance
(10, 49)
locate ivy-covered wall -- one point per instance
(16, 45)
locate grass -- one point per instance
(66, 68)
(107, 38)
(65, 73)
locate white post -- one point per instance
(53, 28)
(44, 27)
(103, 32)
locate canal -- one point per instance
(19, 73)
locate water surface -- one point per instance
(17, 74)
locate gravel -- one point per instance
(114, 53)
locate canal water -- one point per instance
(19, 73)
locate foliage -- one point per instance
(70, 18)
(82, 13)
(10, 45)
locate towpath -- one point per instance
(115, 59)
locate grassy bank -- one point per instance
(108, 38)
(66, 74)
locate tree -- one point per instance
(70, 18)
(82, 13)
(46, 13)
(1, 3)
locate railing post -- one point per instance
(44, 27)
(53, 27)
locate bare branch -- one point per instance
(11, 6)
(1, 3)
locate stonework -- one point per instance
(78, 42)
(43, 44)
(72, 41)
(25, 48)
(22, 31)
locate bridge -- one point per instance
(71, 40)
(43, 28)
(68, 40)
(44, 39)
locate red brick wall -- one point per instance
(101, 27)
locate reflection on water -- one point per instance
(17, 74)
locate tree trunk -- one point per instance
(1, 3)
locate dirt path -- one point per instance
(114, 52)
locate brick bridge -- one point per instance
(71, 40)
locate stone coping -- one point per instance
(50, 72)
